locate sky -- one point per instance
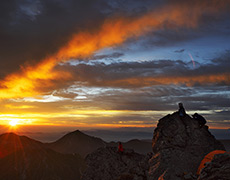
(112, 66)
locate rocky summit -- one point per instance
(179, 144)
(107, 164)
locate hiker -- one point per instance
(201, 120)
(181, 110)
(182, 114)
(120, 148)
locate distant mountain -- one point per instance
(37, 164)
(77, 142)
(226, 143)
(10, 142)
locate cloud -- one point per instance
(32, 30)
(111, 56)
(179, 51)
(149, 73)
(113, 32)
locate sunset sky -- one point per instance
(112, 64)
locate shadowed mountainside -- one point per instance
(23, 158)
(37, 164)
(10, 142)
(77, 142)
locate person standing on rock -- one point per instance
(182, 114)
(120, 148)
(181, 110)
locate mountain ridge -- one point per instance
(76, 142)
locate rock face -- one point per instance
(218, 168)
(179, 145)
(108, 164)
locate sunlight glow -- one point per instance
(13, 122)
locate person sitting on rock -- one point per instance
(181, 110)
(120, 148)
(201, 120)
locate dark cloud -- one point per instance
(154, 96)
(64, 94)
(156, 72)
(111, 56)
(166, 37)
(31, 30)
(179, 51)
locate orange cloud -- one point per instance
(189, 81)
(113, 32)
(30, 79)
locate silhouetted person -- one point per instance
(120, 148)
(201, 120)
(181, 110)
(182, 114)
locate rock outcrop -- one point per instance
(218, 168)
(108, 164)
(179, 145)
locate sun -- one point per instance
(13, 122)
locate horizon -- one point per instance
(47, 134)
(103, 66)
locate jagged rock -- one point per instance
(108, 164)
(218, 168)
(179, 145)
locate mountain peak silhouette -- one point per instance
(77, 142)
(179, 144)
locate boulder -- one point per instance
(218, 168)
(179, 144)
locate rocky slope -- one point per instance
(179, 145)
(108, 164)
(218, 168)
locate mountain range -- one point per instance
(24, 158)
